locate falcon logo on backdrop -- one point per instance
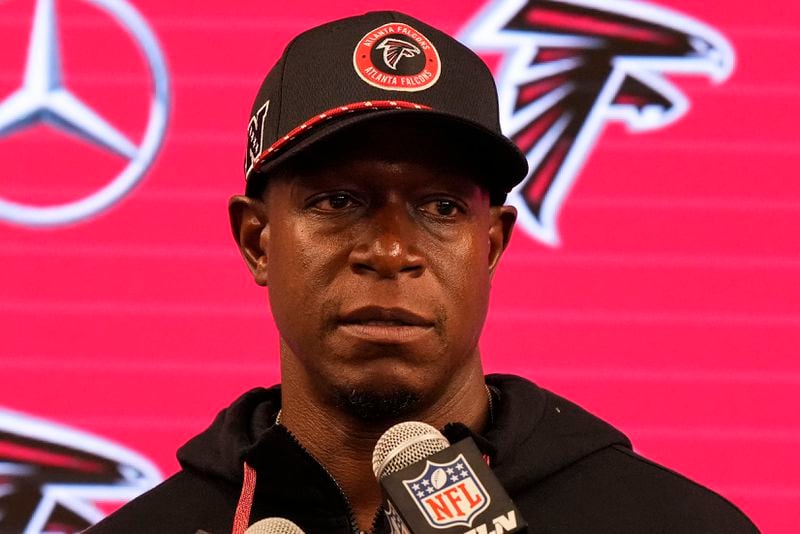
(44, 98)
(53, 478)
(448, 494)
(570, 66)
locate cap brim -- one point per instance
(509, 166)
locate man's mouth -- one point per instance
(382, 323)
(385, 325)
(380, 316)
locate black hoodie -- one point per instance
(566, 470)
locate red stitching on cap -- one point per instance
(326, 116)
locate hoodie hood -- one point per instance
(531, 427)
(542, 431)
(567, 471)
(220, 451)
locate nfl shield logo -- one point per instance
(448, 494)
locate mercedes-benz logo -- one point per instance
(43, 97)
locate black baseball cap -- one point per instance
(361, 68)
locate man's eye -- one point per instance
(334, 202)
(441, 208)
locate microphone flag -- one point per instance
(452, 492)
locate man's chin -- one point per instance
(375, 405)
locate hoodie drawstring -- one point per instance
(242, 518)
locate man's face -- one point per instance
(378, 259)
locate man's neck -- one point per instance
(343, 443)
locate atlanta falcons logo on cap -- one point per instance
(572, 65)
(394, 50)
(396, 57)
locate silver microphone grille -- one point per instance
(405, 444)
(274, 525)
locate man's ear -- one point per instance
(503, 219)
(251, 232)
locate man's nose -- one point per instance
(388, 248)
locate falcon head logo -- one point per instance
(570, 66)
(52, 477)
(395, 49)
(377, 56)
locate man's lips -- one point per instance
(380, 316)
(385, 325)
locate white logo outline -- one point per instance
(486, 32)
(43, 98)
(138, 475)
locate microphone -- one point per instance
(274, 525)
(433, 487)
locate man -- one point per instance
(376, 175)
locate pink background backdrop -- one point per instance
(671, 309)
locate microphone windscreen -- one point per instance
(274, 525)
(405, 444)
